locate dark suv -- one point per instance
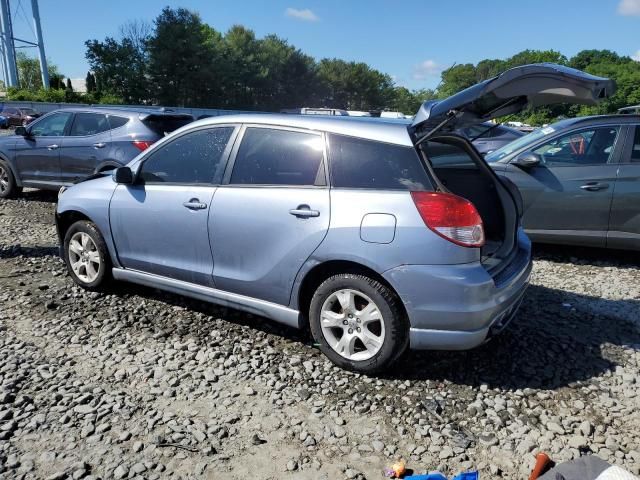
(17, 116)
(68, 145)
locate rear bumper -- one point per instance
(458, 307)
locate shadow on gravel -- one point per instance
(598, 257)
(555, 340)
(14, 251)
(32, 195)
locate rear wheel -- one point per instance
(8, 187)
(86, 256)
(358, 322)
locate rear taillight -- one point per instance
(453, 218)
(142, 145)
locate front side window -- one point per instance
(51, 126)
(584, 147)
(278, 157)
(359, 163)
(89, 124)
(193, 158)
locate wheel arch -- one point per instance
(107, 165)
(65, 219)
(320, 272)
(12, 167)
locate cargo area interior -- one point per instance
(461, 170)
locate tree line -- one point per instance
(182, 61)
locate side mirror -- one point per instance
(123, 175)
(22, 131)
(527, 160)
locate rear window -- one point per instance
(358, 163)
(164, 124)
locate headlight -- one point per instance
(62, 190)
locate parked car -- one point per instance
(580, 180)
(17, 116)
(632, 110)
(66, 146)
(488, 137)
(341, 224)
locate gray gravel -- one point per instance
(142, 384)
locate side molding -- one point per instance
(276, 312)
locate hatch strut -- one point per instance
(450, 116)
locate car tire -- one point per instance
(86, 256)
(8, 186)
(369, 334)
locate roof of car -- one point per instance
(115, 110)
(386, 130)
(613, 117)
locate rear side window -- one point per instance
(193, 158)
(358, 163)
(89, 124)
(635, 151)
(278, 157)
(117, 122)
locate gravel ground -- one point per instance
(143, 384)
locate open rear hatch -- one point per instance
(456, 165)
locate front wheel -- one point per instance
(86, 256)
(358, 322)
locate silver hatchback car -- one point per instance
(342, 225)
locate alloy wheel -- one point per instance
(352, 324)
(4, 179)
(84, 257)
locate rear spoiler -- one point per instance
(168, 114)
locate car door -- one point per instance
(37, 154)
(159, 223)
(624, 225)
(567, 196)
(271, 213)
(85, 146)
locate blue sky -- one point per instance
(412, 40)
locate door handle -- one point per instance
(53, 147)
(100, 145)
(304, 211)
(194, 204)
(594, 186)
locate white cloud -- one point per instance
(629, 8)
(426, 69)
(305, 14)
(636, 56)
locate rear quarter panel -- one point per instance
(411, 243)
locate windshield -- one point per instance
(521, 142)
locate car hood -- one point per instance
(510, 92)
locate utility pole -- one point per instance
(43, 59)
(7, 45)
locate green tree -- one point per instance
(90, 82)
(353, 85)
(29, 75)
(69, 86)
(119, 68)
(182, 58)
